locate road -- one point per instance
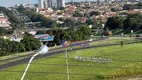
(27, 57)
(25, 60)
(99, 39)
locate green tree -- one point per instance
(3, 47)
(94, 13)
(130, 24)
(57, 39)
(21, 8)
(121, 43)
(114, 23)
(2, 31)
(73, 35)
(50, 32)
(86, 32)
(53, 24)
(69, 23)
(30, 43)
(12, 18)
(78, 14)
(113, 9)
(40, 32)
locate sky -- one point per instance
(8, 3)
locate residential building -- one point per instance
(51, 3)
(4, 23)
(58, 3)
(48, 3)
(41, 4)
(29, 6)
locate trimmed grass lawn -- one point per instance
(127, 60)
(111, 41)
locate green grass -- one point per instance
(23, 53)
(112, 41)
(15, 55)
(49, 72)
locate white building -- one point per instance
(4, 23)
(41, 4)
(55, 3)
(51, 3)
(60, 3)
(29, 6)
(48, 3)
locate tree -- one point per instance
(113, 9)
(12, 18)
(114, 23)
(57, 39)
(40, 32)
(3, 47)
(131, 6)
(121, 43)
(28, 34)
(2, 31)
(86, 32)
(62, 8)
(78, 14)
(128, 7)
(30, 43)
(21, 8)
(45, 22)
(15, 47)
(73, 35)
(69, 23)
(53, 24)
(133, 22)
(94, 13)
(130, 24)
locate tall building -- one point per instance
(98, 1)
(51, 3)
(48, 3)
(41, 4)
(58, 3)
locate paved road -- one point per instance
(25, 60)
(33, 52)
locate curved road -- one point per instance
(25, 60)
(33, 52)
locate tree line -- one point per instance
(28, 43)
(82, 33)
(131, 6)
(131, 22)
(15, 23)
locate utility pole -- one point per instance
(43, 50)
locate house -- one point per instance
(4, 23)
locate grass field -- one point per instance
(111, 41)
(126, 61)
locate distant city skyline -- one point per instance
(51, 3)
(9, 3)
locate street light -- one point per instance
(131, 32)
(43, 49)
